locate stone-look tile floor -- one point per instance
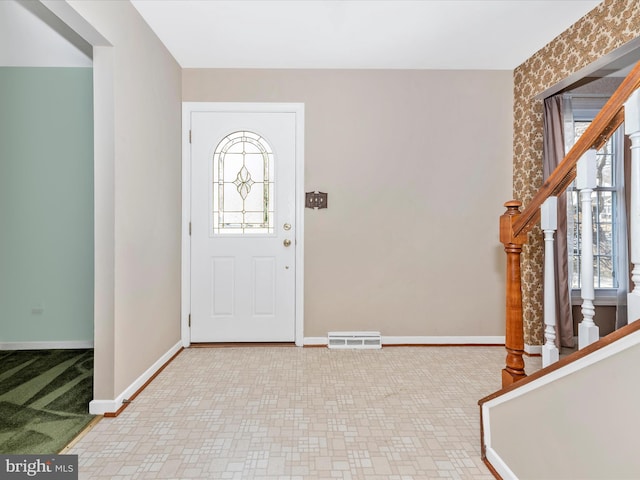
(293, 413)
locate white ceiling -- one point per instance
(387, 34)
(28, 38)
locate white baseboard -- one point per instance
(63, 345)
(501, 467)
(100, 407)
(533, 349)
(419, 340)
(315, 341)
(444, 340)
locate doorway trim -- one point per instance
(187, 109)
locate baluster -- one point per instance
(514, 338)
(549, 224)
(588, 331)
(632, 128)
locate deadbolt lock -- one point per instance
(287, 226)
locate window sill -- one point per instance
(603, 297)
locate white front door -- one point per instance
(243, 230)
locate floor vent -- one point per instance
(354, 340)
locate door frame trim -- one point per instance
(187, 109)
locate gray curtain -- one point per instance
(553, 153)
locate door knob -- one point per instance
(287, 242)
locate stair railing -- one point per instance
(515, 225)
(549, 225)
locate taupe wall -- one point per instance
(137, 196)
(417, 165)
(583, 426)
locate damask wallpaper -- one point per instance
(610, 25)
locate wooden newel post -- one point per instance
(514, 338)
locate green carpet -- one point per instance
(44, 399)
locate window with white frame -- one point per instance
(608, 214)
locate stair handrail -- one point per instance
(515, 225)
(595, 136)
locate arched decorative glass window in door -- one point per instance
(243, 185)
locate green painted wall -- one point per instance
(46, 204)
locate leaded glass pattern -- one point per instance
(243, 185)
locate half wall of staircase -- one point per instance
(576, 419)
